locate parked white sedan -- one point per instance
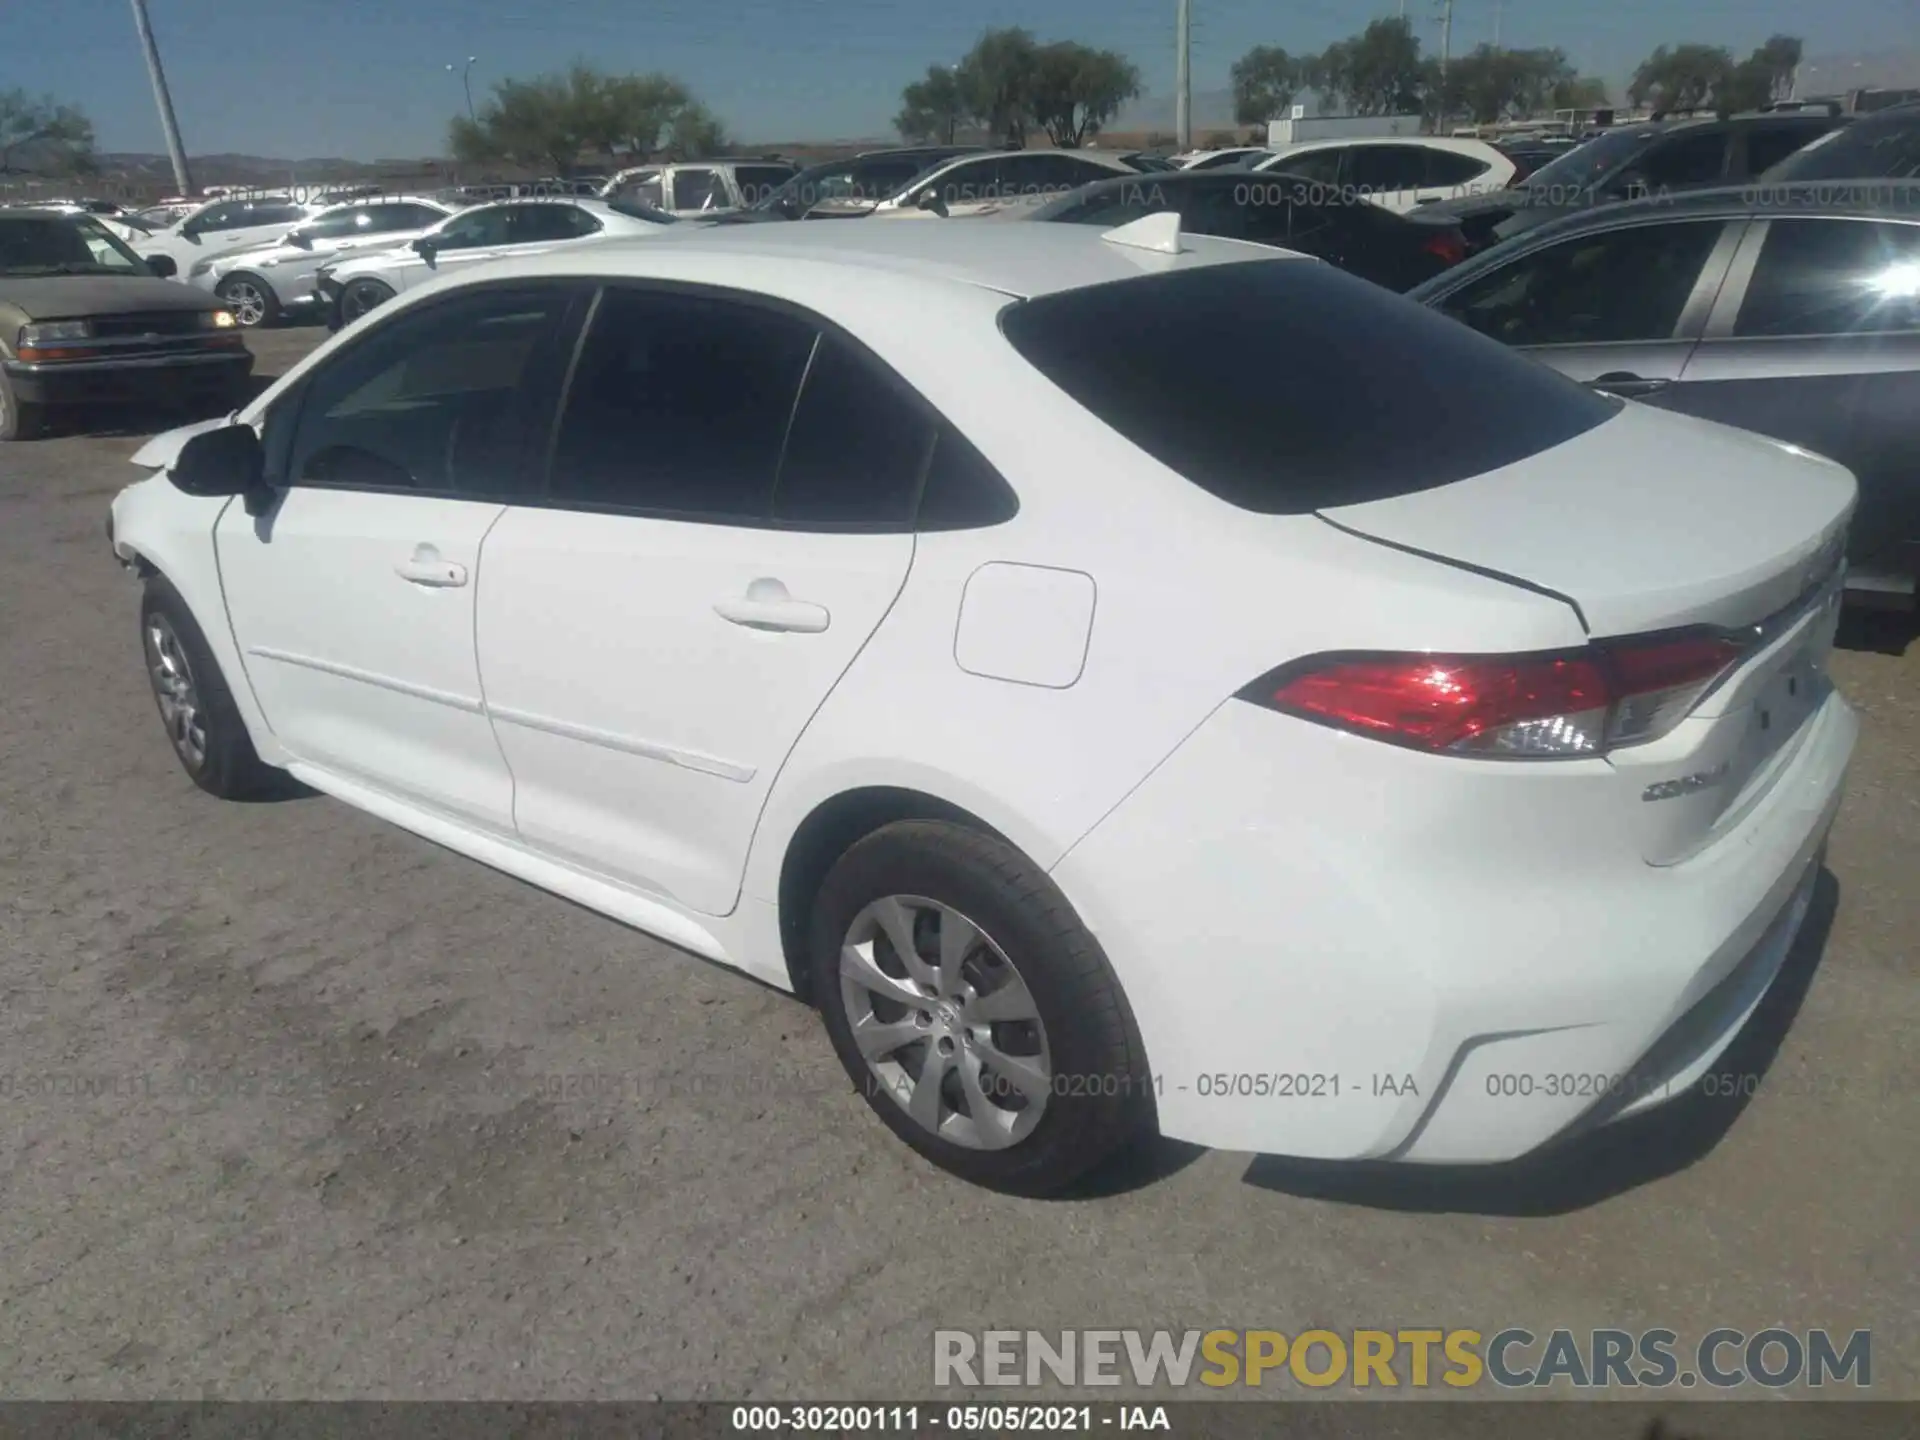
(532, 225)
(1106, 720)
(218, 227)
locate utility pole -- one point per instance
(1446, 53)
(465, 84)
(175, 151)
(1498, 6)
(1183, 79)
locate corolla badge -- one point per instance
(1686, 784)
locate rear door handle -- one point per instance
(1626, 383)
(427, 568)
(768, 606)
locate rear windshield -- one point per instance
(1286, 386)
(1882, 148)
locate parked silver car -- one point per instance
(264, 283)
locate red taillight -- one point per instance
(1517, 706)
(1449, 245)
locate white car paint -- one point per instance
(221, 225)
(287, 266)
(402, 266)
(1394, 936)
(1223, 158)
(971, 185)
(1317, 159)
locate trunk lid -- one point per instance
(1651, 521)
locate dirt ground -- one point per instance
(287, 1109)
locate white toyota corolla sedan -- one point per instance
(1125, 681)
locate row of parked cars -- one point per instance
(1785, 304)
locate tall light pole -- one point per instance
(1446, 53)
(1183, 78)
(1498, 6)
(953, 101)
(465, 84)
(175, 150)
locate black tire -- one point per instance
(360, 296)
(224, 763)
(1098, 1101)
(252, 300)
(18, 421)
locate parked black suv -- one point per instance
(1657, 157)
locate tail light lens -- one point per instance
(1519, 707)
(1449, 245)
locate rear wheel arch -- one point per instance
(832, 828)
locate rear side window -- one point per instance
(1768, 145)
(1834, 277)
(1284, 387)
(855, 449)
(963, 490)
(1447, 167)
(1686, 160)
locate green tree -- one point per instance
(1265, 80)
(1680, 77)
(551, 120)
(1379, 70)
(40, 136)
(932, 108)
(996, 81)
(1075, 90)
(1579, 92)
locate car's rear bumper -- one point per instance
(128, 378)
(1339, 949)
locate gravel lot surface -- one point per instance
(314, 1135)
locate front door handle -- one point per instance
(1626, 384)
(427, 568)
(768, 606)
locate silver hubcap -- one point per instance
(946, 1024)
(249, 306)
(174, 688)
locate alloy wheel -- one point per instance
(358, 300)
(945, 1022)
(244, 298)
(174, 688)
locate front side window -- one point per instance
(62, 245)
(1685, 160)
(218, 217)
(1321, 166)
(1618, 285)
(386, 219)
(698, 190)
(441, 401)
(1834, 277)
(533, 224)
(1768, 145)
(756, 182)
(476, 229)
(1377, 168)
(679, 405)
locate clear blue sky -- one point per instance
(365, 79)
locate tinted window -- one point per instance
(963, 491)
(1444, 167)
(441, 400)
(1283, 387)
(1833, 277)
(1768, 145)
(475, 229)
(1685, 160)
(529, 224)
(756, 182)
(1386, 167)
(975, 181)
(384, 219)
(1118, 204)
(698, 190)
(680, 404)
(334, 227)
(857, 447)
(1318, 165)
(1617, 285)
(220, 217)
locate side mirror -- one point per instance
(426, 249)
(930, 201)
(227, 461)
(163, 266)
(300, 238)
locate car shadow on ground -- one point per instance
(1883, 632)
(1601, 1163)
